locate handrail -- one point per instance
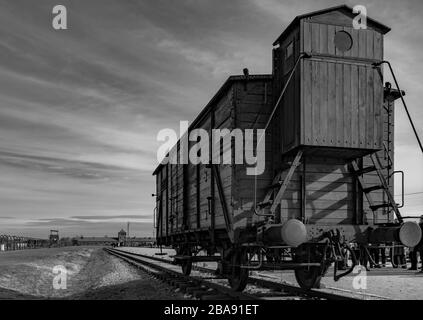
(391, 198)
(402, 187)
(377, 64)
(301, 56)
(154, 217)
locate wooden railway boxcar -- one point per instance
(328, 168)
(188, 198)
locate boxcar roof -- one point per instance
(344, 8)
(223, 89)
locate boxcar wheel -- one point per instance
(238, 276)
(308, 278)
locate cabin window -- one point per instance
(343, 41)
(289, 50)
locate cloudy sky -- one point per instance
(80, 108)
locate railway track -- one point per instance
(198, 287)
(207, 286)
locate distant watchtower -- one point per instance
(122, 237)
(334, 101)
(54, 238)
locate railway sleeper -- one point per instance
(215, 297)
(201, 294)
(191, 289)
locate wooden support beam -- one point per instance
(198, 198)
(285, 183)
(185, 197)
(361, 180)
(212, 180)
(303, 192)
(221, 193)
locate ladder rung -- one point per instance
(276, 185)
(378, 206)
(365, 170)
(285, 166)
(372, 188)
(264, 204)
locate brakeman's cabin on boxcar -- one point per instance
(329, 146)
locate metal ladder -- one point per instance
(377, 167)
(279, 186)
(378, 64)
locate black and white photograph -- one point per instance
(211, 156)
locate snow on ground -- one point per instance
(119, 274)
(91, 274)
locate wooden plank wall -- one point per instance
(189, 191)
(179, 193)
(342, 105)
(341, 92)
(224, 116)
(318, 38)
(162, 205)
(329, 194)
(289, 109)
(246, 106)
(253, 108)
(157, 217)
(329, 197)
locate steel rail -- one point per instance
(197, 286)
(267, 284)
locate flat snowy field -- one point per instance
(91, 274)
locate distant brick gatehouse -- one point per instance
(120, 241)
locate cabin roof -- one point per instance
(223, 89)
(344, 8)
